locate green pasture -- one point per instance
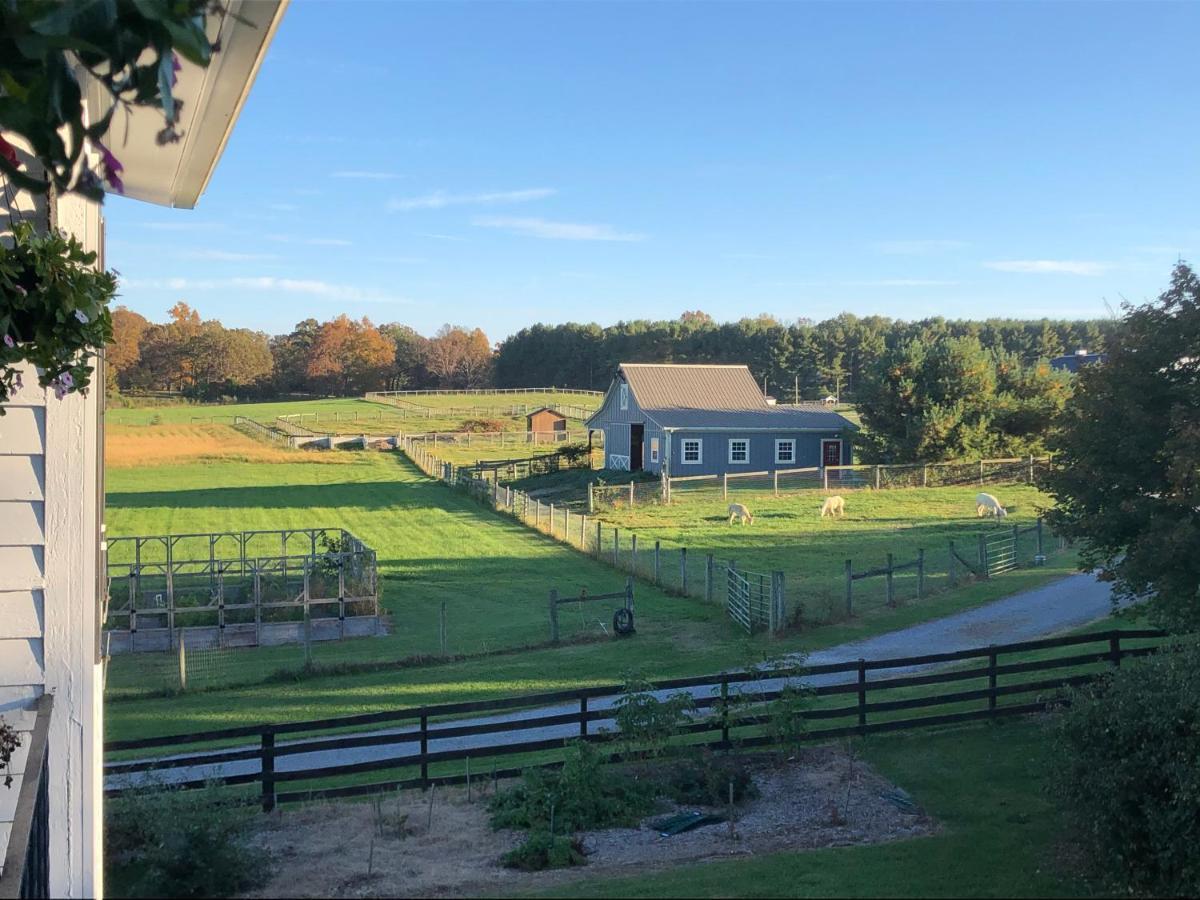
(789, 535)
(509, 404)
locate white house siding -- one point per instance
(49, 531)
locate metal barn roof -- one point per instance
(716, 396)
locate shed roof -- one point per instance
(545, 409)
(717, 396)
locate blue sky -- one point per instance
(498, 164)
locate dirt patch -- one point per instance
(822, 798)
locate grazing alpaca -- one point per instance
(987, 505)
(833, 507)
(739, 512)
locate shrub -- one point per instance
(704, 779)
(164, 842)
(543, 850)
(583, 794)
(478, 426)
(646, 723)
(1129, 772)
(574, 453)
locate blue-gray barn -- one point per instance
(708, 420)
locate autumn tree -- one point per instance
(123, 354)
(350, 357)
(1127, 473)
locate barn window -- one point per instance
(624, 396)
(653, 449)
(692, 452)
(785, 451)
(739, 451)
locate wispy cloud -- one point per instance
(440, 237)
(558, 231)
(182, 226)
(917, 248)
(309, 241)
(225, 255)
(367, 175)
(269, 284)
(1049, 266)
(441, 199)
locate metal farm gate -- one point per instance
(749, 599)
(1000, 551)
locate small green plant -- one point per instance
(574, 453)
(543, 850)
(582, 795)
(166, 842)
(647, 724)
(703, 779)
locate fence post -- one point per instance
(724, 485)
(599, 537)
(616, 547)
(891, 588)
(1114, 648)
(551, 519)
(591, 498)
(708, 577)
(1040, 551)
(1031, 468)
(775, 481)
(983, 556)
(953, 573)
(633, 553)
(825, 478)
(981, 471)
(424, 750)
(657, 561)
(683, 569)
(583, 532)
(631, 495)
(583, 719)
(849, 589)
(924, 476)
(991, 678)
(877, 478)
(554, 616)
(724, 709)
(268, 770)
(1016, 538)
(182, 663)
(920, 573)
(862, 695)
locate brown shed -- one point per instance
(546, 419)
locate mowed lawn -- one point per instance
(789, 535)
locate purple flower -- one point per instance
(8, 341)
(81, 316)
(17, 383)
(66, 380)
(59, 390)
(112, 169)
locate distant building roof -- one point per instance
(716, 396)
(1073, 361)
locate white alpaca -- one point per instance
(834, 507)
(741, 513)
(987, 505)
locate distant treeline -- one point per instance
(814, 359)
(204, 359)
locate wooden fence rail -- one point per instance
(574, 712)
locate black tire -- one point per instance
(623, 622)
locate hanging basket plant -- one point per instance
(53, 311)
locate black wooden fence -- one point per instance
(734, 702)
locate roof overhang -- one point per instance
(177, 174)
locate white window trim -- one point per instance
(739, 462)
(779, 443)
(653, 449)
(683, 460)
(837, 441)
(623, 395)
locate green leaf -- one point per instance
(190, 40)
